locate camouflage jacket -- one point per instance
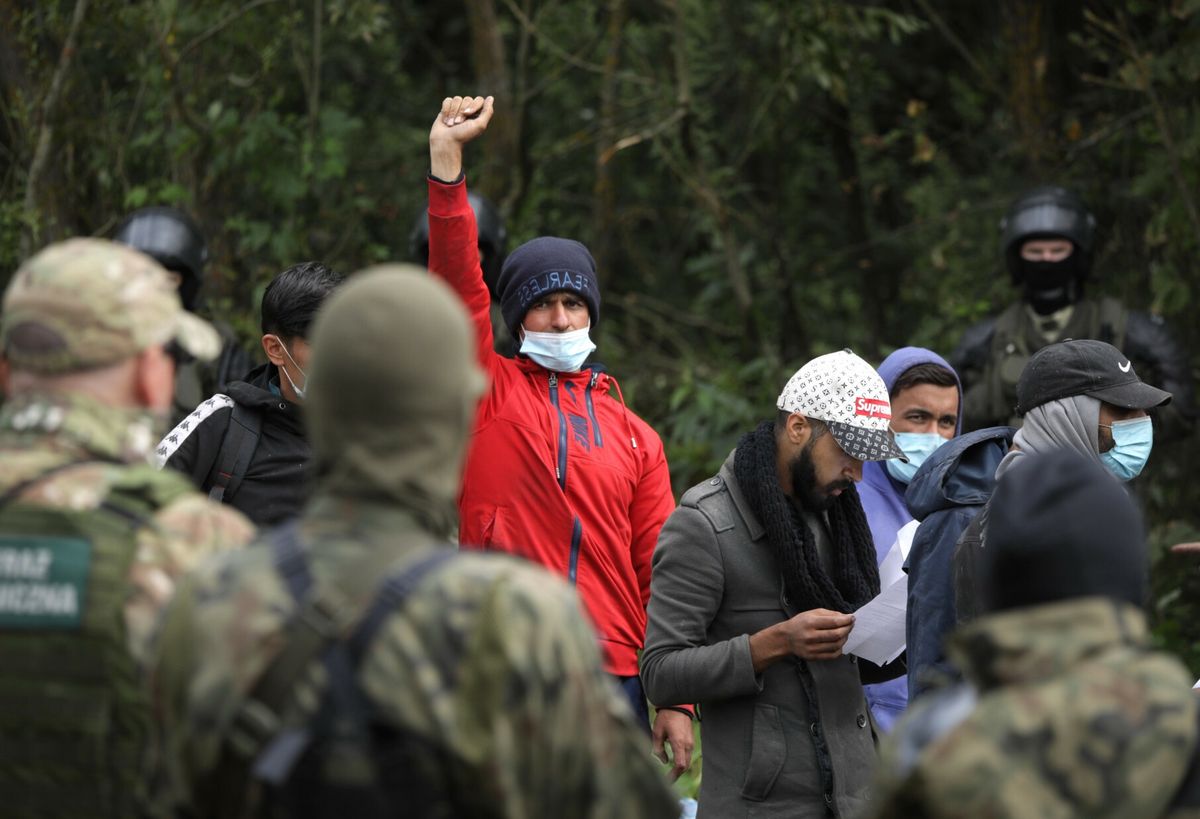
(489, 663)
(40, 433)
(1068, 712)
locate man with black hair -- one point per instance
(755, 580)
(247, 446)
(171, 238)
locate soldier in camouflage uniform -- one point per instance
(92, 536)
(485, 685)
(1067, 711)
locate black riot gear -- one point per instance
(493, 239)
(1049, 213)
(173, 240)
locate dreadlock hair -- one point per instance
(855, 576)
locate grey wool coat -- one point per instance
(715, 582)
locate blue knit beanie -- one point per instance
(546, 265)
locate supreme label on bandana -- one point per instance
(872, 408)
(43, 581)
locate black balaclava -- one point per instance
(1051, 286)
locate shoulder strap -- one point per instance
(254, 733)
(1113, 319)
(237, 448)
(391, 596)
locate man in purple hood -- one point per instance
(926, 397)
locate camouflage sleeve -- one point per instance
(536, 727)
(220, 630)
(185, 532)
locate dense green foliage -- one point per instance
(759, 181)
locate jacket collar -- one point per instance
(753, 527)
(1041, 642)
(528, 365)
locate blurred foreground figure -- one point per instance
(354, 664)
(171, 238)
(92, 537)
(1048, 239)
(1066, 710)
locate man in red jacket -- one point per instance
(559, 471)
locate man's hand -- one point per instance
(674, 728)
(460, 121)
(1186, 548)
(817, 634)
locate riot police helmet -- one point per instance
(1048, 212)
(171, 237)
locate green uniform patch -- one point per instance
(43, 581)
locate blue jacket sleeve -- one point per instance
(931, 616)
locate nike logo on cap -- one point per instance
(1124, 367)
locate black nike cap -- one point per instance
(1084, 367)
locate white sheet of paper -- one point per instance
(878, 633)
(1197, 685)
(892, 567)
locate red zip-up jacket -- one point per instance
(558, 470)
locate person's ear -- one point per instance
(798, 429)
(154, 379)
(273, 348)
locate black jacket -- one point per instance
(276, 481)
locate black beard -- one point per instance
(804, 482)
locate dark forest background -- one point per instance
(759, 181)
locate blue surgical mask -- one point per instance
(560, 352)
(917, 446)
(1133, 440)
(298, 390)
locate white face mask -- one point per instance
(298, 390)
(559, 352)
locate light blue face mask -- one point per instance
(559, 352)
(1133, 441)
(917, 446)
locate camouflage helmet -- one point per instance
(173, 240)
(493, 238)
(87, 303)
(1043, 213)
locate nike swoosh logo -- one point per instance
(1124, 367)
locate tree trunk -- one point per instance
(603, 190)
(496, 175)
(31, 234)
(1026, 33)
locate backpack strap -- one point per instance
(254, 743)
(237, 448)
(391, 596)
